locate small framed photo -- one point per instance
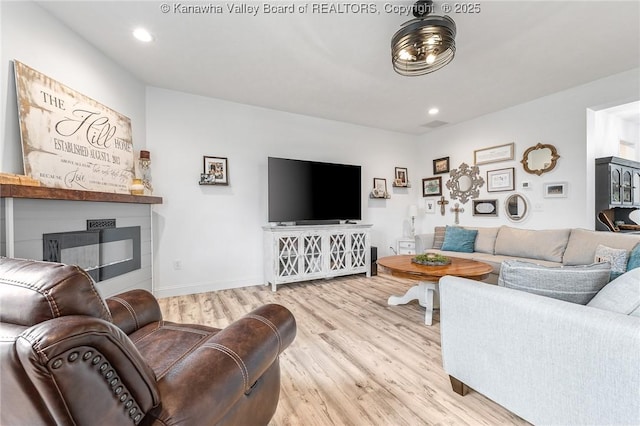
(441, 165)
(494, 154)
(485, 207)
(432, 186)
(556, 190)
(402, 178)
(500, 180)
(429, 206)
(379, 188)
(216, 171)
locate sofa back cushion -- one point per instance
(486, 239)
(582, 245)
(575, 284)
(533, 244)
(621, 295)
(438, 237)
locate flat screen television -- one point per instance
(313, 192)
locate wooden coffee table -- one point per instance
(428, 277)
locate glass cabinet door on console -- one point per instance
(616, 187)
(636, 188)
(627, 195)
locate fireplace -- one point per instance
(103, 253)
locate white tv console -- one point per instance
(308, 252)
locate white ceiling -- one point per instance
(338, 66)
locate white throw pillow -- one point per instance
(616, 257)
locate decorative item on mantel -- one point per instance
(137, 187)
(14, 179)
(145, 169)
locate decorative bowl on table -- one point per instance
(431, 259)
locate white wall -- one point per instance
(31, 35)
(215, 231)
(559, 119)
(609, 130)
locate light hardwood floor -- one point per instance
(355, 360)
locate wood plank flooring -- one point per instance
(355, 360)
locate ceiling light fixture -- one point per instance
(424, 44)
(434, 111)
(142, 35)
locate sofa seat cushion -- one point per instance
(533, 244)
(576, 284)
(162, 344)
(621, 295)
(581, 249)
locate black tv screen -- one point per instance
(310, 191)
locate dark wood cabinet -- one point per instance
(617, 189)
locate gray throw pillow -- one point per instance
(621, 295)
(576, 284)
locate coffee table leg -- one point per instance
(413, 293)
(429, 290)
(423, 293)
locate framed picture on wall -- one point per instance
(379, 188)
(485, 207)
(402, 177)
(555, 190)
(441, 165)
(216, 171)
(429, 206)
(494, 154)
(500, 180)
(432, 187)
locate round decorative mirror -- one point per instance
(516, 207)
(540, 159)
(465, 182)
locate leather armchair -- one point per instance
(69, 358)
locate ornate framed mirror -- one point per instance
(465, 182)
(516, 207)
(540, 159)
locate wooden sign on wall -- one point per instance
(69, 140)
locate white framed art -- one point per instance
(556, 189)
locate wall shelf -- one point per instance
(44, 193)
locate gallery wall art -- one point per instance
(69, 140)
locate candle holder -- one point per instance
(145, 169)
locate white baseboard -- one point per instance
(205, 287)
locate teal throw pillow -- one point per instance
(634, 258)
(459, 239)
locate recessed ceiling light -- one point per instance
(434, 111)
(142, 35)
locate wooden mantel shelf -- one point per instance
(43, 193)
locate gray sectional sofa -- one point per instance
(552, 247)
(549, 361)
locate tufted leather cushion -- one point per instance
(33, 292)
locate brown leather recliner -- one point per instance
(67, 358)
